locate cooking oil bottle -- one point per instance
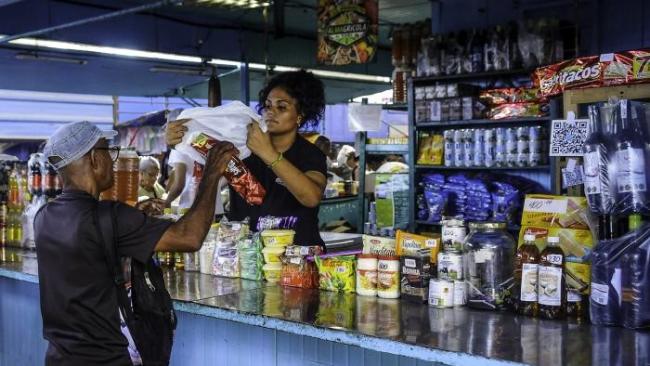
(526, 268)
(551, 286)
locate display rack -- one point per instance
(414, 129)
(372, 149)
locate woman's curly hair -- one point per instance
(302, 86)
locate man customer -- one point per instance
(79, 300)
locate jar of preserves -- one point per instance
(388, 283)
(489, 264)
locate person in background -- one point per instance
(79, 303)
(325, 145)
(291, 169)
(149, 174)
(352, 162)
(344, 170)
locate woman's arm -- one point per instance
(307, 187)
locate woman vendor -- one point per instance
(291, 169)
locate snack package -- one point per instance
(251, 259)
(510, 95)
(518, 110)
(226, 262)
(378, 245)
(337, 273)
(583, 72)
(556, 211)
(411, 244)
(299, 272)
(276, 223)
(224, 123)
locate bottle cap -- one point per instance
(529, 237)
(553, 239)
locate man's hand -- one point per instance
(260, 143)
(175, 131)
(219, 156)
(152, 206)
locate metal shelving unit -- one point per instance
(416, 169)
(387, 149)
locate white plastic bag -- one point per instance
(224, 123)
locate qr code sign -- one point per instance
(573, 177)
(568, 137)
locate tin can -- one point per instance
(453, 235)
(535, 146)
(459, 148)
(460, 293)
(450, 160)
(479, 147)
(450, 266)
(489, 142)
(441, 293)
(523, 146)
(511, 147)
(468, 147)
(500, 148)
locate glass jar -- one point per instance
(489, 263)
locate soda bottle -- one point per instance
(49, 183)
(35, 175)
(526, 267)
(551, 286)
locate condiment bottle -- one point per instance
(388, 285)
(367, 275)
(551, 286)
(525, 274)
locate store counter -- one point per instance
(238, 322)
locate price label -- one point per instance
(543, 205)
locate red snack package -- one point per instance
(584, 72)
(510, 95)
(237, 175)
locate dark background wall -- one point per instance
(603, 25)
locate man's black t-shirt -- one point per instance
(279, 201)
(78, 297)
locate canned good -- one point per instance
(535, 146)
(479, 147)
(511, 147)
(500, 148)
(459, 148)
(450, 159)
(441, 293)
(523, 146)
(460, 293)
(450, 266)
(453, 234)
(489, 143)
(468, 141)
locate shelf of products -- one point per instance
(442, 167)
(473, 76)
(427, 223)
(484, 122)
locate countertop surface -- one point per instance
(455, 336)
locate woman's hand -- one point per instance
(260, 143)
(175, 131)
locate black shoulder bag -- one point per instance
(149, 314)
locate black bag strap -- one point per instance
(105, 219)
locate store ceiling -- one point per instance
(189, 30)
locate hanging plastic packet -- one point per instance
(276, 223)
(208, 126)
